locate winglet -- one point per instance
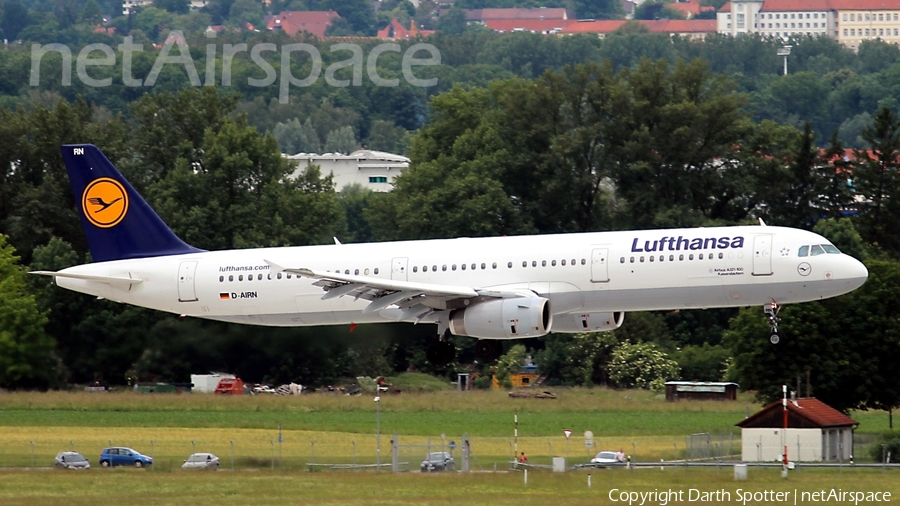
(761, 222)
(336, 241)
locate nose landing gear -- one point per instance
(771, 311)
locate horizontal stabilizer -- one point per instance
(117, 281)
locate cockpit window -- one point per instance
(831, 249)
(804, 251)
(816, 250)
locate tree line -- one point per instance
(653, 144)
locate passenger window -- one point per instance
(691, 256)
(279, 275)
(700, 256)
(453, 267)
(652, 258)
(473, 267)
(509, 265)
(415, 268)
(563, 263)
(573, 262)
(553, 263)
(444, 268)
(356, 272)
(642, 259)
(671, 258)
(230, 278)
(269, 276)
(221, 278)
(366, 272)
(662, 258)
(259, 277)
(583, 261)
(681, 258)
(816, 250)
(434, 268)
(543, 263)
(241, 277)
(721, 256)
(494, 265)
(375, 271)
(534, 263)
(483, 266)
(632, 259)
(289, 276)
(804, 251)
(463, 266)
(524, 264)
(346, 271)
(250, 277)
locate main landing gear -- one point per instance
(771, 311)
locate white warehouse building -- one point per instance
(374, 170)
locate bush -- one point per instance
(891, 443)
(641, 365)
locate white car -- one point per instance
(607, 457)
(71, 460)
(201, 461)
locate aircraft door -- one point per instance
(762, 255)
(600, 265)
(398, 268)
(186, 273)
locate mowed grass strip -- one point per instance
(22, 488)
(605, 412)
(36, 446)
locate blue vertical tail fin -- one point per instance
(117, 221)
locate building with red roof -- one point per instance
(848, 21)
(292, 22)
(546, 26)
(691, 8)
(482, 15)
(815, 432)
(693, 28)
(396, 31)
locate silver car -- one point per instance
(201, 461)
(71, 460)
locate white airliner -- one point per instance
(489, 288)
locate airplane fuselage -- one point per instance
(578, 273)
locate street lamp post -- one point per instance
(785, 51)
(378, 433)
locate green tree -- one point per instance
(15, 17)
(877, 181)
(577, 359)
(91, 13)
(510, 363)
(243, 12)
(342, 140)
(26, 359)
(641, 365)
(453, 21)
(703, 363)
(173, 6)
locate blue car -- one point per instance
(121, 456)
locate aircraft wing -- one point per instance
(415, 299)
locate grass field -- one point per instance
(340, 429)
(128, 486)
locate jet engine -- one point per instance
(503, 319)
(587, 322)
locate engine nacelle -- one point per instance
(503, 319)
(587, 322)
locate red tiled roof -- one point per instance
(291, 22)
(810, 409)
(865, 5)
(517, 13)
(527, 25)
(726, 7)
(395, 30)
(796, 5)
(655, 26)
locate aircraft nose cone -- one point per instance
(857, 273)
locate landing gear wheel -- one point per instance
(775, 337)
(488, 350)
(440, 353)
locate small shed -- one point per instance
(816, 432)
(708, 391)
